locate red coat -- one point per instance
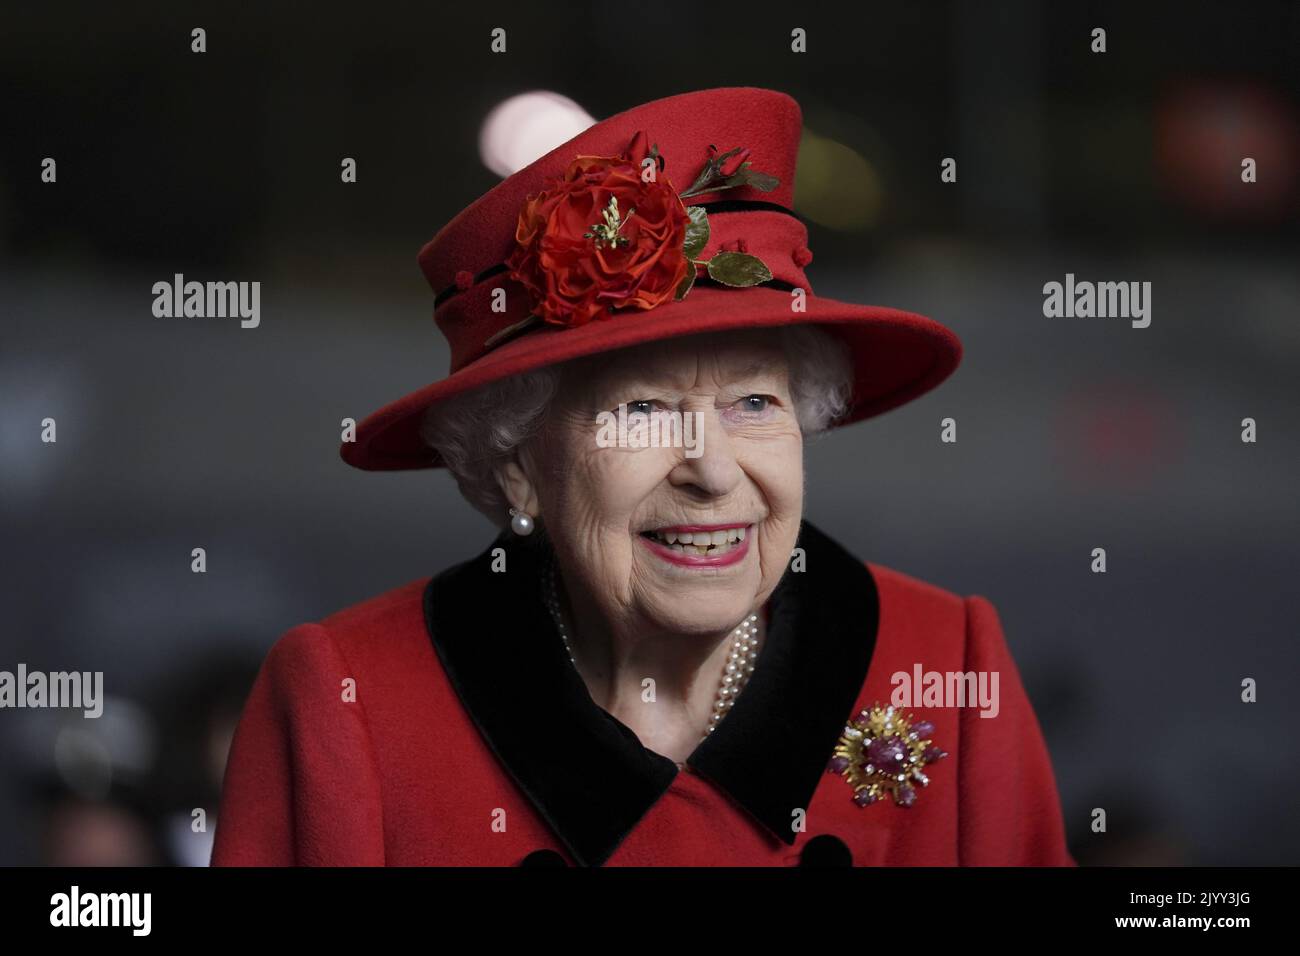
(471, 740)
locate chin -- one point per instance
(701, 613)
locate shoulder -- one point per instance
(900, 588)
(925, 618)
(386, 628)
(914, 619)
(910, 600)
(400, 606)
(925, 629)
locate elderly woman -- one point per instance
(657, 662)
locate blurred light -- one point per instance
(187, 846)
(84, 763)
(527, 127)
(1205, 130)
(35, 388)
(1118, 435)
(834, 186)
(89, 754)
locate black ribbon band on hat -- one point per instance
(721, 205)
(748, 205)
(451, 290)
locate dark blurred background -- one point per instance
(1073, 433)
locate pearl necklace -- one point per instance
(739, 667)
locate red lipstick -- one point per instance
(685, 560)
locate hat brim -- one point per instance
(897, 356)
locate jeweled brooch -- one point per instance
(883, 752)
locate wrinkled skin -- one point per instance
(632, 614)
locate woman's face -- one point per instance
(731, 478)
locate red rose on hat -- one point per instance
(600, 238)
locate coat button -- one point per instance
(825, 850)
(543, 858)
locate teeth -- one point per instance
(700, 542)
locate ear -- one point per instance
(518, 487)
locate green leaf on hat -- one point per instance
(738, 269)
(762, 181)
(697, 232)
(688, 281)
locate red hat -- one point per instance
(672, 218)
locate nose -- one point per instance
(715, 471)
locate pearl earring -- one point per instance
(521, 523)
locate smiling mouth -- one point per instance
(699, 542)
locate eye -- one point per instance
(644, 405)
(754, 404)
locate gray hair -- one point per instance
(482, 429)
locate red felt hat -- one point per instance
(593, 247)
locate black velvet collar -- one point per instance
(586, 772)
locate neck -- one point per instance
(615, 658)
